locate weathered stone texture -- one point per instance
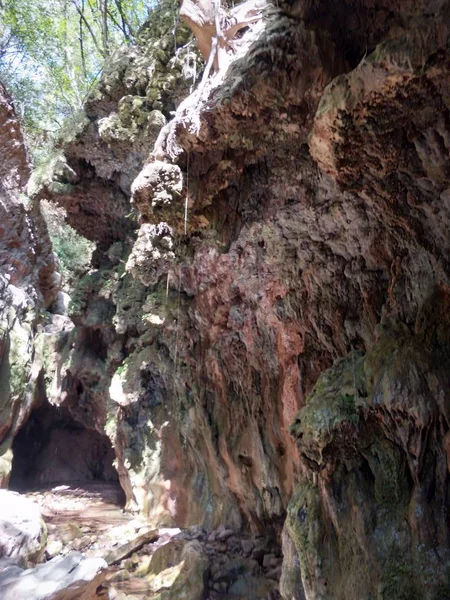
(28, 283)
(292, 219)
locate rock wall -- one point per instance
(367, 514)
(295, 213)
(28, 285)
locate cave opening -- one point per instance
(52, 448)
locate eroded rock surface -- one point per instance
(287, 218)
(23, 534)
(373, 436)
(70, 578)
(28, 285)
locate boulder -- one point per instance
(128, 548)
(61, 304)
(72, 577)
(23, 533)
(252, 587)
(178, 571)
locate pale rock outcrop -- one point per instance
(23, 534)
(72, 577)
(152, 253)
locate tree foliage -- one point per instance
(73, 250)
(51, 53)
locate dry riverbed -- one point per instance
(145, 563)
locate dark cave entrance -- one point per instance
(52, 448)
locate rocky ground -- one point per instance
(89, 518)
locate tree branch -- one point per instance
(89, 28)
(104, 13)
(125, 22)
(204, 19)
(83, 59)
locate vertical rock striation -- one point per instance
(290, 252)
(367, 515)
(28, 285)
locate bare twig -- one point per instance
(104, 21)
(125, 21)
(83, 58)
(89, 28)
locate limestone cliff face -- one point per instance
(367, 517)
(28, 284)
(293, 218)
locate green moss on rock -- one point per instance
(371, 487)
(334, 402)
